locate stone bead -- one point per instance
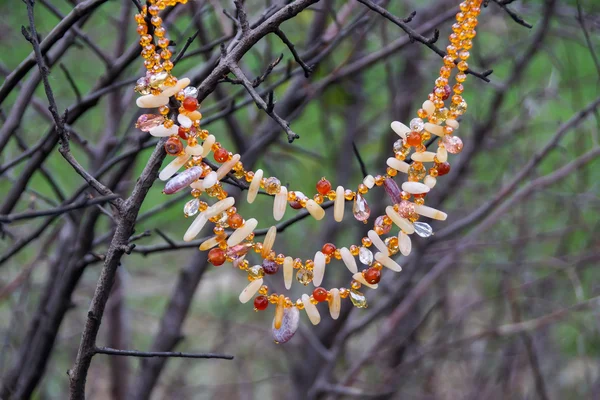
(288, 326)
(400, 129)
(392, 189)
(151, 101)
(320, 294)
(250, 290)
(402, 223)
(280, 204)
(162, 131)
(430, 212)
(207, 145)
(425, 156)
(288, 272)
(227, 166)
(241, 233)
(358, 277)
(415, 187)
(173, 167)
(315, 210)
(377, 242)
(269, 241)
(254, 185)
(195, 227)
(397, 164)
(270, 267)
(216, 257)
(404, 243)
(348, 260)
(338, 205)
(182, 180)
(318, 268)
(311, 310)
(388, 262)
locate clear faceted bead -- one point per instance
(365, 256)
(417, 124)
(392, 244)
(379, 222)
(255, 272)
(145, 122)
(423, 229)
(416, 172)
(361, 209)
(191, 207)
(272, 185)
(453, 144)
(304, 276)
(190, 91)
(358, 299)
(238, 251)
(398, 145)
(157, 79)
(141, 86)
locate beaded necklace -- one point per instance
(159, 88)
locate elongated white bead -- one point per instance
(194, 150)
(388, 262)
(280, 204)
(404, 243)
(195, 227)
(400, 129)
(311, 310)
(269, 241)
(210, 180)
(318, 268)
(250, 290)
(197, 185)
(452, 123)
(397, 164)
(210, 243)
(428, 106)
(151, 101)
(358, 277)
(349, 260)
(207, 145)
(369, 181)
(173, 167)
(242, 232)
(435, 129)
(184, 121)
(162, 131)
(442, 154)
(315, 210)
(430, 212)
(415, 187)
(400, 222)
(377, 242)
(254, 185)
(430, 181)
(288, 271)
(335, 303)
(338, 205)
(180, 85)
(425, 156)
(227, 166)
(219, 207)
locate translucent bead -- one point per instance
(361, 209)
(145, 122)
(272, 185)
(392, 189)
(382, 226)
(417, 124)
(398, 145)
(358, 299)
(365, 256)
(304, 276)
(423, 229)
(190, 91)
(191, 207)
(453, 144)
(416, 172)
(255, 272)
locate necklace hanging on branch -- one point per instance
(178, 119)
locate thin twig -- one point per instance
(147, 354)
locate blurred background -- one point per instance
(501, 303)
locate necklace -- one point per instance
(160, 89)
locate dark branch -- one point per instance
(147, 354)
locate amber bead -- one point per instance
(372, 275)
(221, 155)
(261, 303)
(173, 146)
(190, 104)
(235, 221)
(216, 257)
(443, 168)
(323, 186)
(320, 294)
(328, 249)
(413, 139)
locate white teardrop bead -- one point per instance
(242, 232)
(219, 207)
(180, 85)
(348, 260)
(210, 180)
(311, 310)
(430, 212)
(151, 101)
(425, 156)
(430, 181)
(377, 242)
(400, 129)
(429, 107)
(338, 205)
(358, 277)
(162, 131)
(404, 243)
(195, 227)
(173, 167)
(207, 145)
(400, 222)
(227, 166)
(250, 290)
(254, 185)
(435, 129)
(288, 271)
(184, 121)
(335, 303)
(442, 154)
(280, 204)
(318, 268)
(269, 241)
(415, 187)
(315, 210)
(388, 262)
(369, 181)
(397, 164)
(194, 150)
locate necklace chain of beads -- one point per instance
(161, 90)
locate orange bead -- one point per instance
(323, 186)
(373, 275)
(328, 248)
(221, 155)
(216, 257)
(235, 221)
(413, 139)
(190, 104)
(320, 294)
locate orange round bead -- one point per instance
(190, 104)
(413, 139)
(235, 221)
(320, 294)
(323, 186)
(173, 146)
(216, 257)
(373, 275)
(328, 248)
(221, 155)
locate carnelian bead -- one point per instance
(320, 294)
(373, 275)
(190, 104)
(323, 186)
(261, 303)
(413, 139)
(173, 146)
(443, 168)
(235, 221)
(328, 248)
(216, 257)
(182, 132)
(221, 155)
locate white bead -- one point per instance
(377, 242)
(210, 243)
(452, 123)
(311, 310)
(358, 277)
(194, 150)
(288, 271)
(197, 185)
(430, 212)
(152, 101)
(404, 243)
(184, 121)
(180, 85)
(173, 167)
(429, 107)
(315, 210)
(415, 187)
(318, 268)
(210, 180)
(335, 303)
(162, 131)
(269, 241)
(402, 223)
(442, 154)
(369, 181)
(254, 185)
(219, 207)
(397, 164)
(349, 260)
(435, 129)
(227, 166)
(430, 181)
(250, 290)
(400, 129)
(338, 205)
(242, 232)
(195, 227)
(280, 204)
(207, 145)
(388, 262)
(425, 156)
